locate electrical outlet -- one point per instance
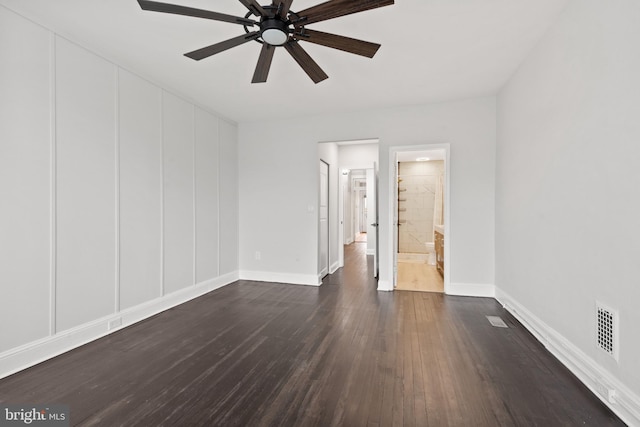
(258, 255)
(115, 323)
(606, 392)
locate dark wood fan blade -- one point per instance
(347, 44)
(189, 11)
(254, 7)
(283, 7)
(222, 46)
(335, 8)
(264, 63)
(303, 59)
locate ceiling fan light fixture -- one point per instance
(274, 32)
(274, 37)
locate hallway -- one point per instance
(269, 354)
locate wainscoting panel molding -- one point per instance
(101, 196)
(35, 352)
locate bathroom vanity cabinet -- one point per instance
(439, 247)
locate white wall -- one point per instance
(357, 156)
(118, 198)
(278, 184)
(568, 200)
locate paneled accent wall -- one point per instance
(178, 165)
(85, 165)
(140, 164)
(115, 193)
(206, 153)
(229, 222)
(25, 181)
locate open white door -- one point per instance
(376, 259)
(323, 218)
(372, 217)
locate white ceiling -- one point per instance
(432, 51)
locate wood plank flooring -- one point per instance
(417, 275)
(343, 354)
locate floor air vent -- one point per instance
(497, 322)
(607, 320)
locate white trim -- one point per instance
(385, 285)
(622, 401)
(287, 278)
(25, 356)
(53, 189)
(322, 273)
(116, 294)
(471, 290)
(334, 267)
(371, 251)
(340, 219)
(219, 204)
(162, 251)
(194, 194)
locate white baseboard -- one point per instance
(371, 251)
(35, 352)
(334, 267)
(623, 402)
(289, 278)
(385, 285)
(471, 290)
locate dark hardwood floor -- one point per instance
(263, 354)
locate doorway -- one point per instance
(346, 159)
(363, 211)
(420, 212)
(359, 205)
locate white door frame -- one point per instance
(322, 271)
(341, 217)
(346, 171)
(393, 208)
(376, 192)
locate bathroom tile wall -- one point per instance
(416, 196)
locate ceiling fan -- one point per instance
(277, 25)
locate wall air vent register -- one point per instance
(607, 333)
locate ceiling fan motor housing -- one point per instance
(274, 31)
